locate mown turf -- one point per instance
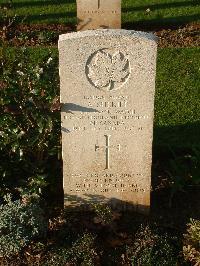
(177, 106)
(177, 101)
(159, 13)
(137, 13)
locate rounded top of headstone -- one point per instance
(109, 32)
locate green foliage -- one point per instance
(58, 257)
(46, 37)
(82, 253)
(83, 250)
(104, 213)
(151, 249)
(191, 248)
(30, 125)
(193, 232)
(20, 223)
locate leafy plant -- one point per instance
(30, 125)
(23, 36)
(104, 213)
(82, 252)
(7, 23)
(191, 248)
(46, 37)
(20, 223)
(150, 248)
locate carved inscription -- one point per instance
(113, 113)
(107, 69)
(99, 11)
(107, 183)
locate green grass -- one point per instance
(134, 13)
(178, 86)
(177, 116)
(159, 12)
(177, 101)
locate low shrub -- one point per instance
(151, 249)
(20, 223)
(30, 120)
(104, 214)
(191, 248)
(82, 252)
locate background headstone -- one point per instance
(97, 14)
(107, 94)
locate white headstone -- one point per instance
(107, 92)
(96, 14)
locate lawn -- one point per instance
(139, 13)
(177, 116)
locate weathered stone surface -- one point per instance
(107, 91)
(97, 14)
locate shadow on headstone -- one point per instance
(83, 23)
(77, 203)
(71, 107)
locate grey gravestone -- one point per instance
(107, 94)
(96, 14)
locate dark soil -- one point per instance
(47, 35)
(188, 36)
(33, 35)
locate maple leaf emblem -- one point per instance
(108, 71)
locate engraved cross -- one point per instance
(99, 2)
(107, 149)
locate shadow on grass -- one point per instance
(179, 138)
(41, 3)
(145, 25)
(160, 23)
(52, 16)
(127, 9)
(153, 7)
